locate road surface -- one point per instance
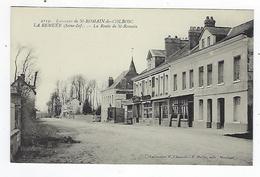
(107, 143)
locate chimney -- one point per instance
(22, 76)
(35, 78)
(172, 45)
(110, 81)
(209, 22)
(194, 34)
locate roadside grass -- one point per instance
(43, 144)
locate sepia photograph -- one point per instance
(131, 86)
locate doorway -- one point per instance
(160, 113)
(209, 113)
(190, 113)
(221, 112)
(137, 113)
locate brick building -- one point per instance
(118, 91)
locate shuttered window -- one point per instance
(237, 68)
(220, 72)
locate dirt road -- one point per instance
(109, 143)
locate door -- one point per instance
(138, 113)
(190, 113)
(221, 103)
(160, 113)
(209, 113)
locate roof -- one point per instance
(183, 51)
(127, 74)
(245, 28)
(25, 83)
(156, 53)
(132, 66)
(156, 70)
(118, 79)
(226, 32)
(218, 30)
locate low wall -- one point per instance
(233, 127)
(183, 123)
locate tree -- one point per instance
(78, 85)
(25, 63)
(86, 107)
(54, 104)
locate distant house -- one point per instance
(118, 91)
(71, 107)
(23, 112)
(75, 106)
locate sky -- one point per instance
(98, 53)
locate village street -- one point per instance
(139, 144)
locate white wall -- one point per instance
(227, 90)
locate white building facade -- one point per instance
(206, 81)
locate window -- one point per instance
(183, 80)
(201, 72)
(175, 82)
(146, 88)
(156, 88)
(202, 43)
(150, 85)
(153, 87)
(191, 79)
(159, 85)
(153, 82)
(162, 85)
(237, 108)
(134, 89)
(200, 109)
(236, 68)
(220, 72)
(140, 89)
(143, 87)
(209, 74)
(166, 84)
(208, 41)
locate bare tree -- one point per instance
(78, 86)
(25, 63)
(16, 59)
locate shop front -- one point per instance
(142, 109)
(161, 112)
(182, 111)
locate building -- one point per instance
(203, 81)
(212, 81)
(23, 112)
(151, 89)
(117, 92)
(71, 107)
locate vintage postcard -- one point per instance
(131, 86)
